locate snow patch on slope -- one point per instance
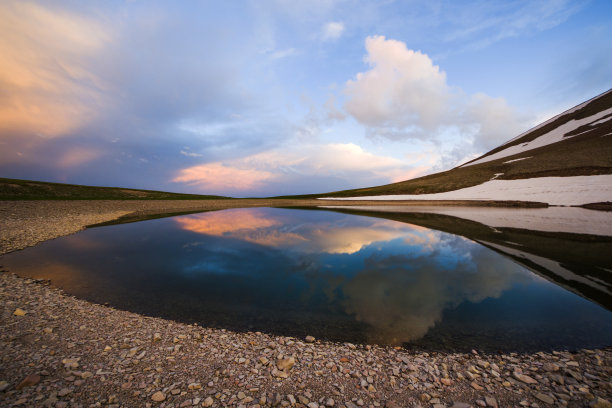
(576, 190)
(515, 160)
(555, 135)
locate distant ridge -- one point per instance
(14, 189)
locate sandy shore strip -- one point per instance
(59, 351)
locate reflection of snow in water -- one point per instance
(552, 219)
(554, 267)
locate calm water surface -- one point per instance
(332, 275)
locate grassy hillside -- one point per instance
(13, 189)
(586, 150)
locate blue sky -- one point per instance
(257, 98)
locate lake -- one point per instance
(417, 279)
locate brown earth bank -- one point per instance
(59, 351)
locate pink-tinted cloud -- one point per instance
(341, 160)
(223, 177)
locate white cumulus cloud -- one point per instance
(405, 95)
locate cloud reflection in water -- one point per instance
(395, 277)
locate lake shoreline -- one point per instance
(73, 352)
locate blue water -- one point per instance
(334, 276)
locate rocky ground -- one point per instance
(59, 351)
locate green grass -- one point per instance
(14, 189)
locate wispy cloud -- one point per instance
(48, 85)
(190, 154)
(480, 24)
(284, 53)
(332, 31)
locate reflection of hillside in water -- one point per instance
(579, 262)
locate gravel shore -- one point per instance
(59, 351)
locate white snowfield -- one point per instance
(555, 135)
(576, 190)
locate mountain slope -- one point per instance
(577, 142)
(13, 189)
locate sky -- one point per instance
(273, 97)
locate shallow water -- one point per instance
(333, 275)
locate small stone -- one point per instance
(545, 398)
(330, 402)
(279, 373)
(476, 386)
(160, 396)
(291, 399)
(263, 360)
(71, 363)
(524, 378)
(491, 402)
(424, 397)
(310, 339)
(601, 403)
(550, 367)
(446, 381)
(86, 374)
(194, 386)
(3, 386)
(63, 392)
(20, 312)
(303, 400)
(157, 337)
(208, 402)
(48, 330)
(458, 404)
(241, 395)
(30, 380)
(108, 348)
(286, 364)
(312, 405)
